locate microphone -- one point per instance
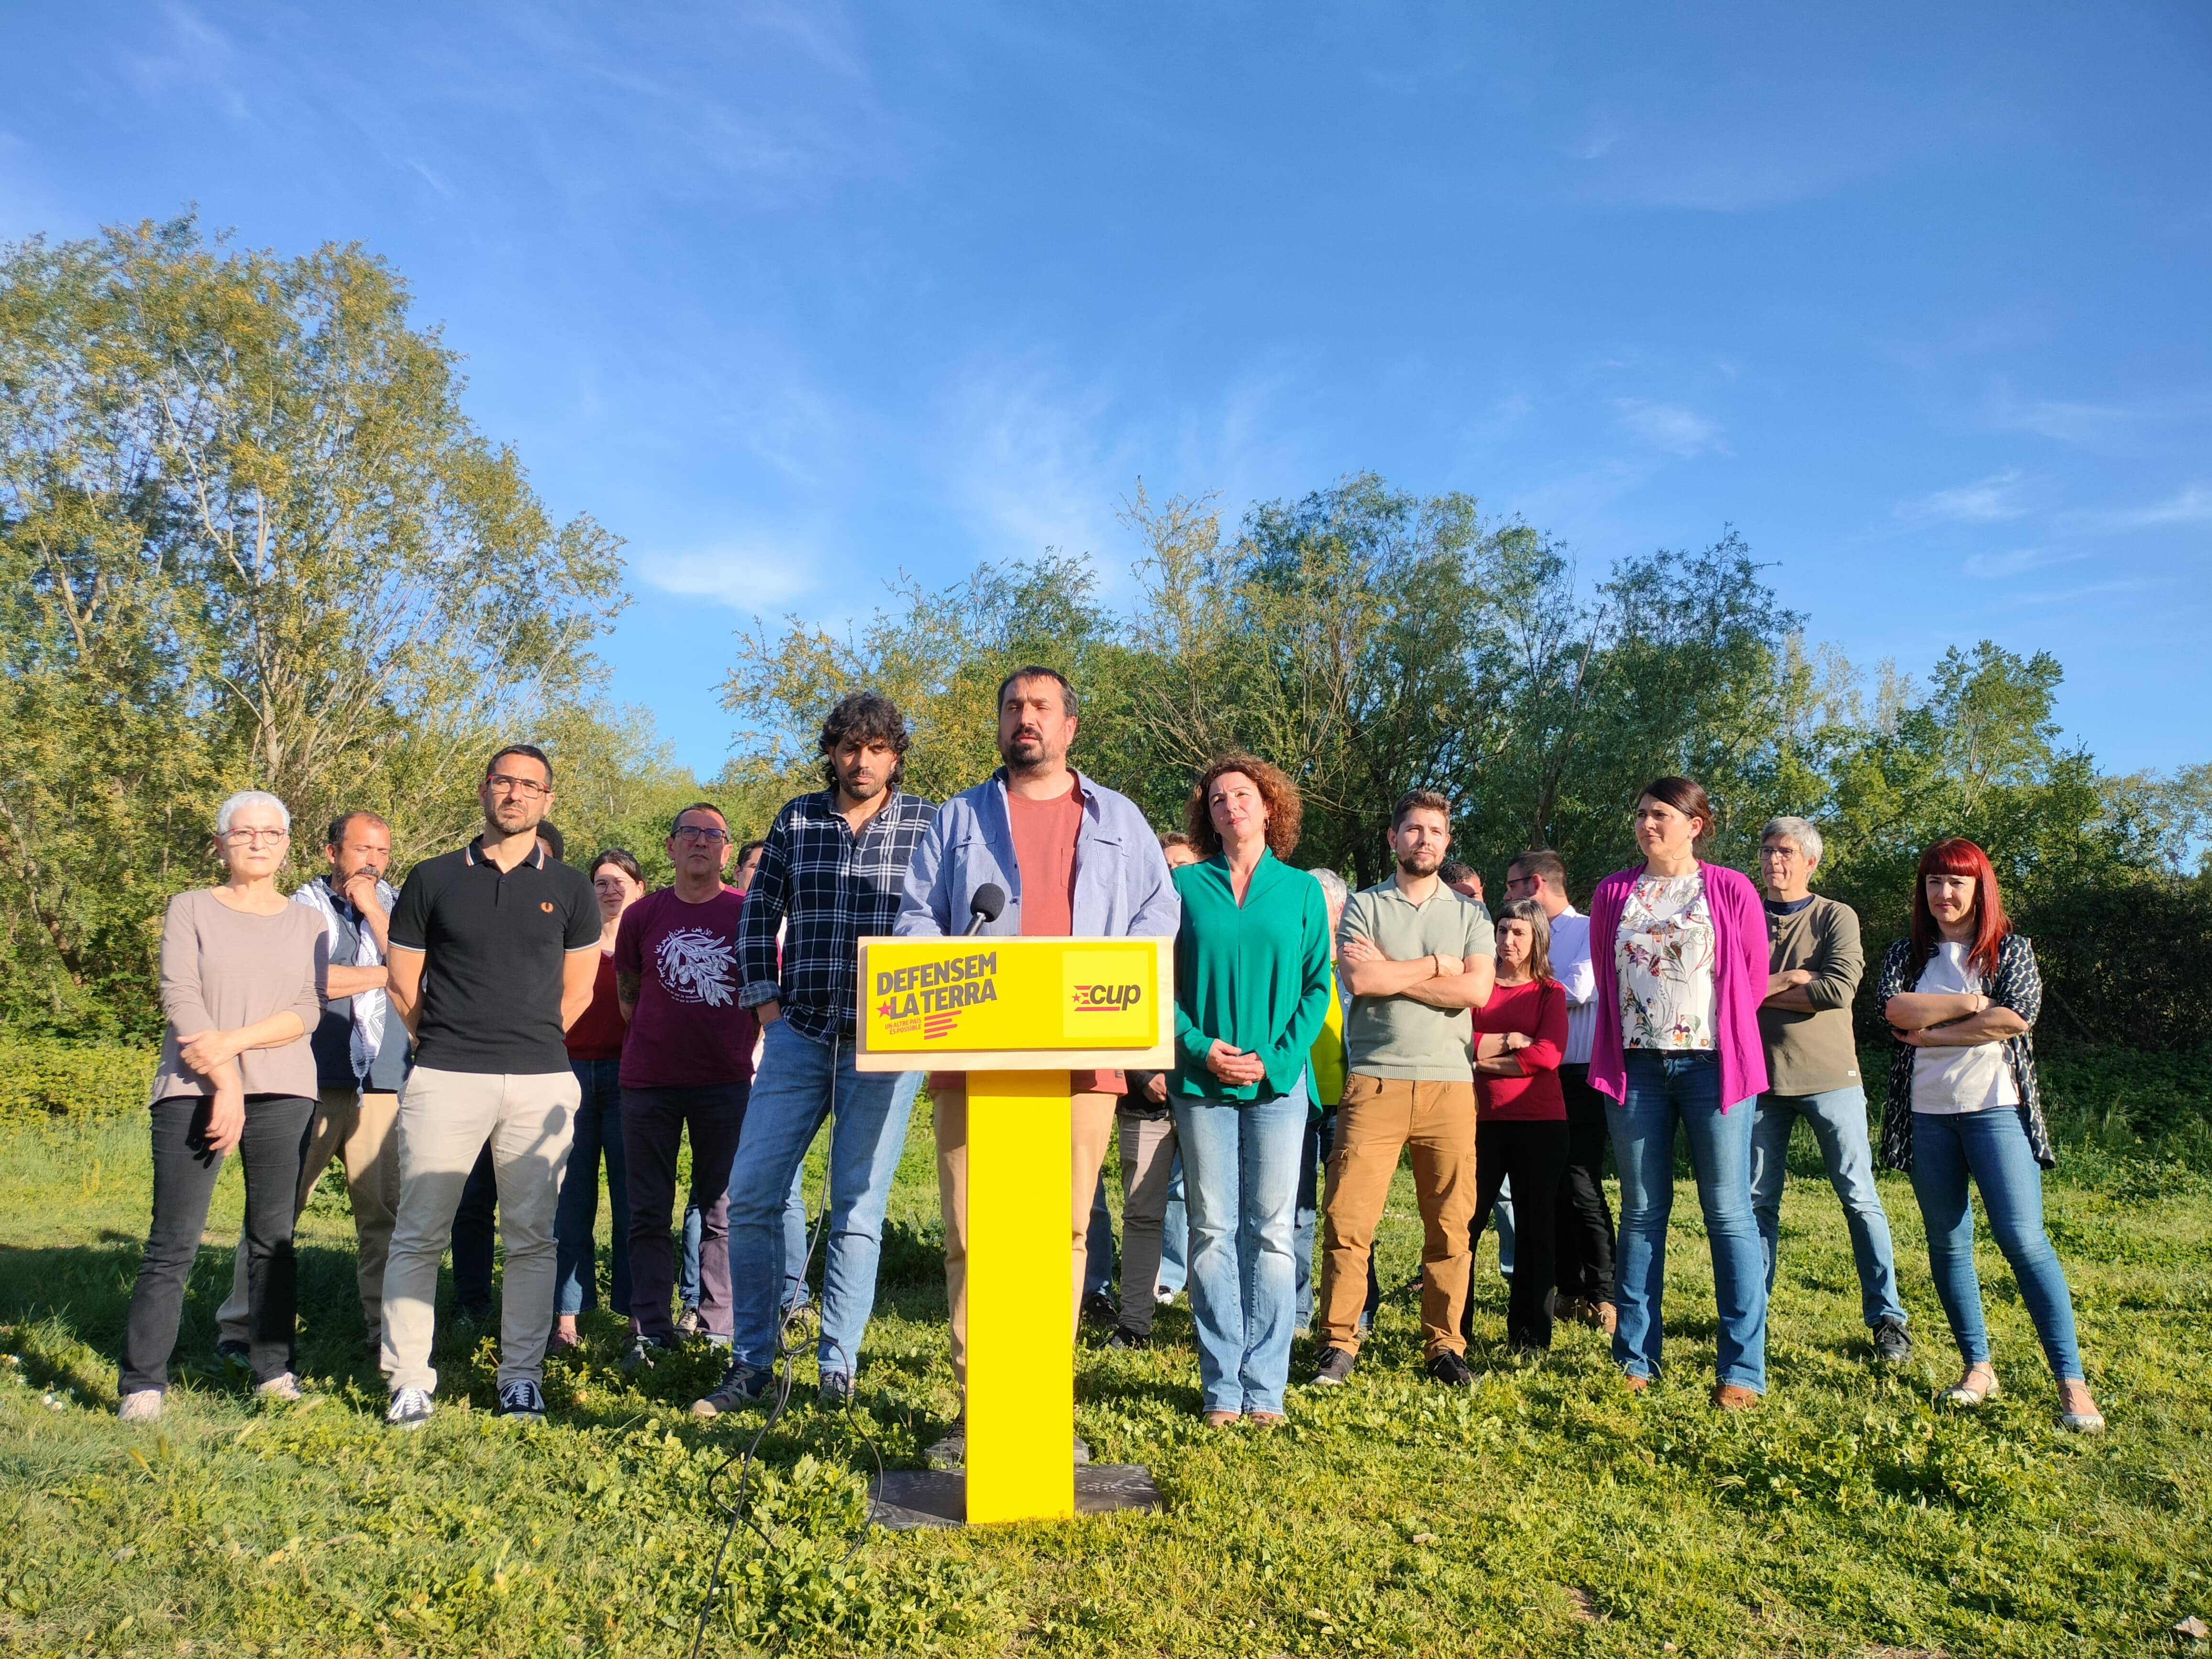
(984, 905)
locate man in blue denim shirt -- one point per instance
(1074, 859)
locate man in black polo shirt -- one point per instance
(494, 950)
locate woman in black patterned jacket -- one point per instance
(1962, 996)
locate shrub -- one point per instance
(42, 1078)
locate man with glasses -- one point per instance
(1815, 961)
(833, 869)
(494, 950)
(360, 1059)
(687, 1063)
(1584, 1269)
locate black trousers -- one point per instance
(653, 1125)
(473, 1222)
(1585, 1221)
(184, 1171)
(1534, 1155)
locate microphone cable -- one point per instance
(790, 1343)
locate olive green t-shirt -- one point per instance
(1396, 1037)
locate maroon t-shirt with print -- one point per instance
(688, 1031)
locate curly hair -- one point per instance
(867, 715)
(1285, 806)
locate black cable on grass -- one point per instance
(790, 1340)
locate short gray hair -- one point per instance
(1333, 890)
(1800, 830)
(229, 809)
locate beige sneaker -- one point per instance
(140, 1406)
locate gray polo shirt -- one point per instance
(1396, 1037)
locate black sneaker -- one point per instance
(1335, 1367)
(835, 1392)
(1891, 1346)
(1449, 1369)
(232, 1353)
(1101, 1310)
(523, 1399)
(741, 1385)
(1124, 1338)
(641, 1351)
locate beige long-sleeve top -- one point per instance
(223, 969)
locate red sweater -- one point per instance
(1539, 1011)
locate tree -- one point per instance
(251, 539)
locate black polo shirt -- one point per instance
(497, 943)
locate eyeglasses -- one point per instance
(256, 837)
(712, 837)
(529, 786)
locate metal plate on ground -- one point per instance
(904, 1499)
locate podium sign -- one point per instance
(1018, 1015)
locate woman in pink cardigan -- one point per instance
(1680, 949)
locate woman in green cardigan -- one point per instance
(1252, 988)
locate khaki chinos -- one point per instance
(1380, 1118)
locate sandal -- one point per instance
(2091, 1421)
(1963, 1393)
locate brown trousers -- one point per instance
(1380, 1118)
(1092, 1122)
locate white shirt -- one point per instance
(1664, 955)
(1947, 1082)
(1570, 966)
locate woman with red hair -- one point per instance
(1961, 996)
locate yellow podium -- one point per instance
(1018, 1015)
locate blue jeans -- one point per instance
(1099, 1245)
(1241, 1170)
(1175, 1235)
(790, 1097)
(1500, 1216)
(1839, 1117)
(1992, 1147)
(575, 1254)
(794, 1248)
(1666, 1090)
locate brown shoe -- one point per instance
(1221, 1420)
(1634, 1383)
(1731, 1398)
(1605, 1317)
(1267, 1419)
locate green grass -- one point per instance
(1543, 1511)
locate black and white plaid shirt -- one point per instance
(835, 887)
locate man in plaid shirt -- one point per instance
(833, 869)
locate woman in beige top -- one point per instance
(242, 970)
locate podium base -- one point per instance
(905, 1499)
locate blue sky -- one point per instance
(795, 297)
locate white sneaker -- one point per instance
(410, 1408)
(140, 1406)
(283, 1387)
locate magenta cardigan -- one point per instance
(1740, 975)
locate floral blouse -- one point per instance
(1665, 957)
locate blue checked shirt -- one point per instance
(836, 888)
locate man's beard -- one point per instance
(867, 789)
(1039, 758)
(1413, 866)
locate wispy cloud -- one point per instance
(1989, 501)
(2019, 560)
(2191, 506)
(1670, 427)
(2074, 595)
(756, 574)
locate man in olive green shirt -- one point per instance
(1813, 1072)
(1415, 956)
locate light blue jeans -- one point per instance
(1241, 1182)
(1991, 1146)
(1839, 1117)
(794, 1248)
(1681, 1089)
(575, 1220)
(790, 1097)
(1175, 1235)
